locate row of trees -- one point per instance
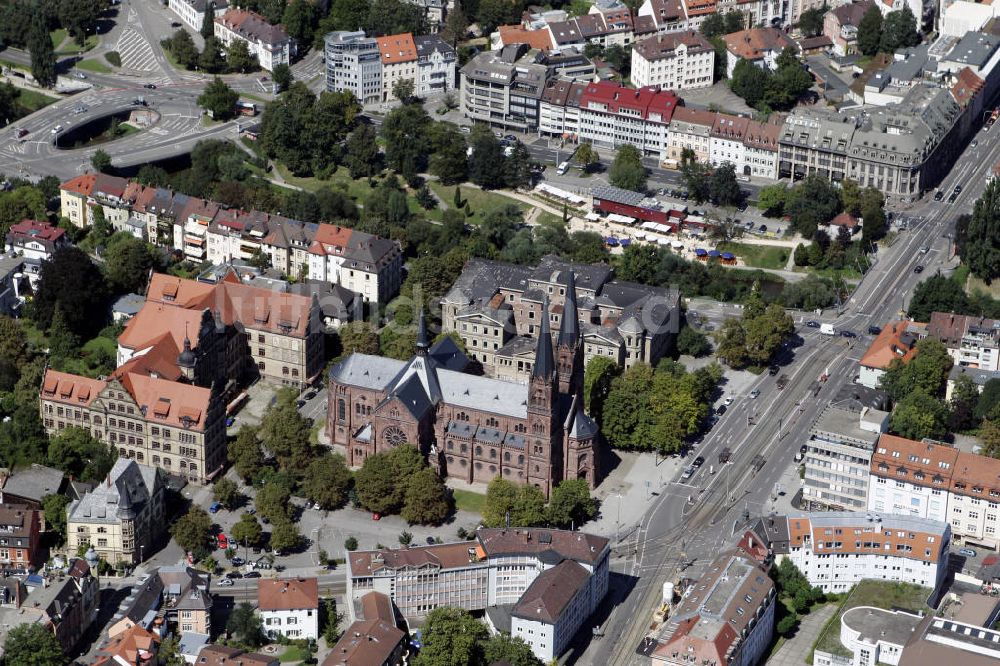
(214, 58)
(525, 506)
(815, 200)
(977, 236)
(897, 30)
(766, 90)
(715, 184)
(753, 339)
(452, 636)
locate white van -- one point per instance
(827, 329)
(563, 168)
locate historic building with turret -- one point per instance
(471, 427)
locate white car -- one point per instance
(57, 129)
(754, 393)
(225, 582)
(728, 400)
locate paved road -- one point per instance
(676, 531)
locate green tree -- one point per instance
(54, 506)
(244, 453)
(872, 207)
(450, 161)
(239, 59)
(597, 377)
(506, 649)
(101, 161)
(127, 263)
(70, 281)
(493, 13)
(272, 502)
(516, 170)
(989, 437)
(529, 507)
(33, 645)
(693, 342)
(350, 544)
(725, 190)
(332, 620)
(358, 337)
(749, 81)
(927, 371)
(247, 530)
(80, 17)
(980, 247)
(426, 501)
(169, 653)
(300, 20)
(451, 636)
(456, 26)
(937, 294)
(282, 77)
(586, 156)
(286, 434)
(918, 415)
(487, 154)
(20, 203)
(211, 59)
(870, 32)
(78, 454)
(392, 17)
(812, 202)
(219, 99)
(404, 133)
(245, 626)
(627, 171)
(811, 21)
(182, 46)
(698, 181)
(714, 25)
(43, 57)
(899, 30)
(403, 89)
(193, 532)
(500, 497)
(377, 483)
(285, 536)
(208, 22)
(571, 504)
(327, 481)
(964, 398)
(226, 493)
(362, 157)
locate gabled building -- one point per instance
(612, 115)
(898, 339)
(221, 655)
(840, 25)
(68, 604)
(399, 61)
(192, 12)
(373, 639)
(270, 43)
(134, 647)
(761, 46)
(436, 66)
(690, 129)
(675, 61)
(20, 537)
(81, 195)
(122, 518)
(36, 241)
(289, 607)
(725, 617)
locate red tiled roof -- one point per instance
(664, 46)
(889, 344)
(397, 48)
(967, 86)
(647, 101)
(845, 219)
(36, 229)
(287, 594)
(515, 34)
(752, 44)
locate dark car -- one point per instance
(782, 382)
(762, 228)
(150, 86)
(958, 189)
(310, 395)
(938, 195)
(721, 410)
(773, 370)
(175, 24)
(724, 455)
(430, 541)
(951, 199)
(812, 324)
(698, 462)
(234, 575)
(874, 330)
(918, 269)
(511, 138)
(252, 574)
(847, 334)
(300, 403)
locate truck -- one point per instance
(827, 329)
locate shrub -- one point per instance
(114, 58)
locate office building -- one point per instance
(675, 61)
(353, 63)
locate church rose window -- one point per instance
(393, 436)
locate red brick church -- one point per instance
(470, 427)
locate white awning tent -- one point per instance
(621, 219)
(677, 245)
(592, 217)
(560, 194)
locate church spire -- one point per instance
(422, 342)
(544, 363)
(569, 328)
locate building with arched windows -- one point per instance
(470, 427)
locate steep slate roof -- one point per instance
(851, 13)
(128, 487)
(252, 26)
(551, 592)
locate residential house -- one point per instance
(122, 519)
(559, 109)
(724, 617)
(761, 46)
(436, 66)
(399, 62)
(838, 457)
(360, 262)
(289, 607)
(973, 342)
(80, 196)
(270, 43)
(690, 129)
(35, 241)
(187, 598)
(221, 655)
(837, 549)
(612, 115)
(676, 61)
(840, 25)
(20, 537)
(551, 610)
(898, 339)
(68, 604)
(29, 485)
(373, 639)
(979, 378)
(134, 647)
(192, 12)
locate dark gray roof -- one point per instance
(412, 396)
(428, 44)
(545, 364)
(489, 435)
(583, 426)
(553, 270)
(447, 355)
(141, 600)
(516, 346)
(978, 376)
(974, 49)
(481, 278)
(335, 301)
(367, 371)
(129, 304)
(551, 592)
(33, 483)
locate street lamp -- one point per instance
(618, 523)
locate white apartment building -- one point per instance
(974, 342)
(270, 43)
(674, 61)
(353, 63)
(436, 66)
(192, 12)
(399, 62)
(289, 607)
(838, 457)
(612, 116)
(552, 609)
(368, 265)
(751, 147)
(836, 550)
(940, 482)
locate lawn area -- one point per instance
(60, 38)
(974, 284)
(293, 653)
(548, 219)
(356, 189)
(92, 65)
(469, 501)
(32, 100)
(758, 256)
(480, 201)
(879, 594)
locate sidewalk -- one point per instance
(796, 649)
(626, 492)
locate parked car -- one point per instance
(214, 508)
(847, 334)
(773, 370)
(252, 574)
(874, 330)
(300, 403)
(782, 381)
(230, 420)
(812, 323)
(237, 561)
(918, 269)
(728, 400)
(223, 541)
(721, 410)
(150, 86)
(57, 129)
(975, 142)
(430, 541)
(376, 516)
(233, 575)
(309, 395)
(226, 582)
(754, 393)
(762, 228)
(968, 552)
(938, 195)
(81, 76)
(924, 249)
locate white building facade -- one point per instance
(270, 43)
(192, 12)
(675, 61)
